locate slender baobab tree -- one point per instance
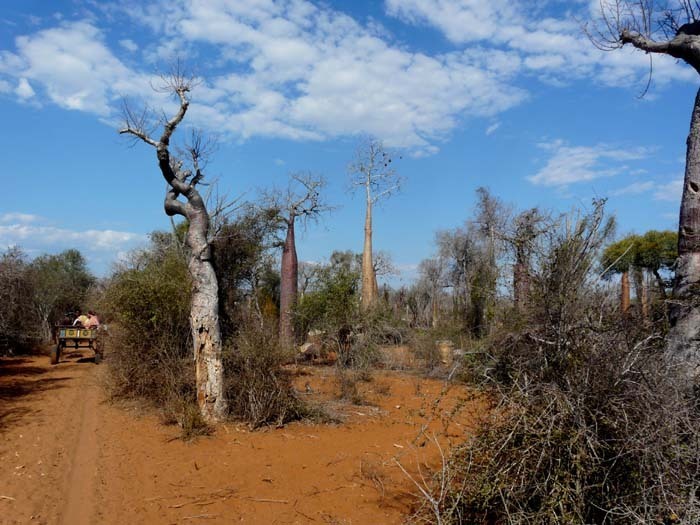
(525, 229)
(182, 182)
(372, 170)
(669, 28)
(301, 200)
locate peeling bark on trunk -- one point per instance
(624, 292)
(204, 316)
(204, 310)
(370, 290)
(684, 337)
(288, 286)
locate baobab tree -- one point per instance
(618, 258)
(182, 180)
(373, 171)
(669, 28)
(301, 200)
(521, 236)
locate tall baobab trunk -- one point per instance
(289, 286)
(204, 310)
(204, 319)
(370, 290)
(684, 337)
(624, 292)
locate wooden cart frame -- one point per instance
(76, 338)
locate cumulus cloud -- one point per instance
(571, 164)
(289, 69)
(74, 67)
(554, 49)
(299, 70)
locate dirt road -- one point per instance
(68, 457)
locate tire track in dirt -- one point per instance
(81, 487)
(48, 441)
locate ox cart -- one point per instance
(77, 338)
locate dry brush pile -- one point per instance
(590, 423)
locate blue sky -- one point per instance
(507, 94)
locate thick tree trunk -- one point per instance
(204, 319)
(684, 337)
(640, 290)
(370, 289)
(624, 292)
(288, 286)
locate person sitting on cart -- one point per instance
(80, 320)
(92, 320)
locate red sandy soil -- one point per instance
(69, 457)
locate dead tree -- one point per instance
(372, 170)
(669, 28)
(301, 200)
(182, 182)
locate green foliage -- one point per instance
(147, 301)
(653, 251)
(60, 285)
(152, 295)
(619, 256)
(244, 267)
(332, 304)
(656, 250)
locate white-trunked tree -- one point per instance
(182, 179)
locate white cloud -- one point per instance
(671, 191)
(21, 218)
(492, 128)
(571, 164)
(286, 69)
(129, 45)
(23, 90)
(553, 49)
(635, 188)
(52, 237)
(73, 66)
(302, 71)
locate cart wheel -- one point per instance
(55, 354)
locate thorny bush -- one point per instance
(589, 423)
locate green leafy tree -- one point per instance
(657, 251)
(61, 283)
